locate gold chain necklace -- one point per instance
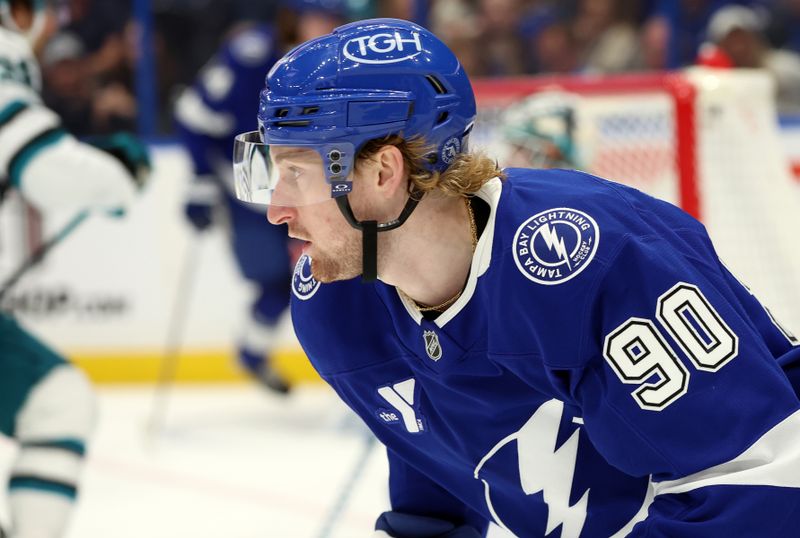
(441, 307)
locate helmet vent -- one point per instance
(437, 85)
(281, 112)
(310, 110)
(293, 123)
(442, 117)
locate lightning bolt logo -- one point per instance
(543, 468)
(555, 242)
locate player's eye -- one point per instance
(290, 174)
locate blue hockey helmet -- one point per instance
(366, 80)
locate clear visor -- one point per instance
(289, 176)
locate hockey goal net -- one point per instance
(706, 140)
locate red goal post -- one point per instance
(704, 139)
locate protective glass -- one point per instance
(289, 176)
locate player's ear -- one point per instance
(391, 170)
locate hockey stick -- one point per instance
(40, 253)
(169, 362)
(337, 510)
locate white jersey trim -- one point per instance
(54, 463)
(23, 128)
(198, 117)
(773, 460)
(481, 259)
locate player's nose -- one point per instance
(277, 214)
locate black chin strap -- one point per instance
(369, 250)
(369, 231)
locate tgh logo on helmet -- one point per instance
(383, 48)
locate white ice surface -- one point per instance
(229, 461)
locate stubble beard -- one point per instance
(341, 263)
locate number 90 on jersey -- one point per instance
(637, 350)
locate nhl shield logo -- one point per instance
(432, 346)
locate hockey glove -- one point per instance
(200, 216)
(202, 197)
(129, 150)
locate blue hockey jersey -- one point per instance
(602, 374)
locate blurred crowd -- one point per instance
(90, 64)
(518, 37)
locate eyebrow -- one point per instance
(298, 153)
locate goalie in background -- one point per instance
(539, 132)
(46, 404)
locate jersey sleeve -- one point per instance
(38, 157)
(679, 384)
(420, 507)
(199, 127)
(26, 128)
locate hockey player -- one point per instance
(554, 352)
(208, 115)
(45, 403)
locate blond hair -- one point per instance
(464, 177)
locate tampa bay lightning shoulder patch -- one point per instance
(304, 285)
(555, 245)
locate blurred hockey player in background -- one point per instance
(208, 115)
(46, 404)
